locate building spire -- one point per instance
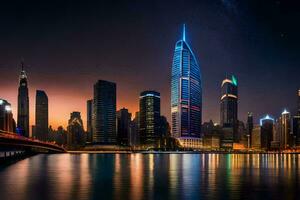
(22, 64)
(183, 33)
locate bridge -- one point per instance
(13, 142)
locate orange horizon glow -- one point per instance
(60, 107)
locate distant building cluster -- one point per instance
(107, 126)
(271, 134)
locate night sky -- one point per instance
(67, 46)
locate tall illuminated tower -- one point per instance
(23, 104)
(229, 105)
(186, 92)
(285, 129)
(149, 117)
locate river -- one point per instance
(152, 176)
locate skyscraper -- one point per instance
(104, 113)
(149, 117)
(134, 134)
(296, 130)
(229, 105)
(186, 92)
(285, 129)
(249, 128)
(296, 123)
(41, 116)
(76, 133)
(89, 117)
(256, 137)
(23, 104)
(266, 132)
(123, 125)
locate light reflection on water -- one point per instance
(152, 176)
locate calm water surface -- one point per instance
(152, 176)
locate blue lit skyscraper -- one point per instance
(186, 92)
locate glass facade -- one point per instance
(266, 133)
(104, 113)
(229, 106)
(123, 125)
(89, 118)
(41, 116)
(149, 117)
(186, 92)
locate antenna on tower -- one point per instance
(183, 33)
(22, 63)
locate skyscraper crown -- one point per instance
(23, 75)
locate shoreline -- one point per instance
(173, 152)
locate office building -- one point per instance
(41, 116)
(123, 126)
(266, 132)
(149, 117)
(296, 131)
(285, 129)
(23, 104)
(249, 128)
(134, 133)
(104, 113)
(256, 137)
(296, 123)
(76, 136)
(186, 93)
(229, 106)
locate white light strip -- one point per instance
(229, 95)
(226, 81)
(149, 95)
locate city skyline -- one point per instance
(48, 71)
(160, 99)
(134, 104)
